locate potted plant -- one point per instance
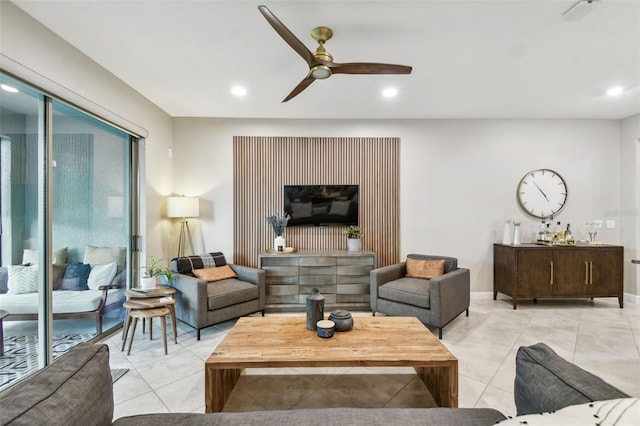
(153, 271)
(278, 224)
(354, 238)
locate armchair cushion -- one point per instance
(230, 292)
(412, 291)
(423, 268)
(31, 256)
(215, 274)
(22, 279)
(101, 275)
(102, 255)
(185, 265)
(75, 277)
(58, 274)
(450, 263)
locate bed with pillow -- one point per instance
(86, 290)
(211, 291)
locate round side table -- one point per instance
(161, 296)
(160, 312)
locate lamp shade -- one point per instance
(183, 207)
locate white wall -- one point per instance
(32, 52)
(458, 177)
(629, 213)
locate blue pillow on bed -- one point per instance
(75, 277)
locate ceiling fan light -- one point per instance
(320, 72)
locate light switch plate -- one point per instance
(611, 224)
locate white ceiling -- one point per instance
(471, 59)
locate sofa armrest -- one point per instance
(76, 389)
(246, 273)
(547, 382)
(255, 276)
(105, 293)
(450, 294)
(191, 299)
(383, 275)
(107, 287)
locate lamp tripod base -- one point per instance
(185, 234)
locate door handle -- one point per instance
(586, 272)
(591, 272)
(551, 271)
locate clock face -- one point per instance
(542, 193)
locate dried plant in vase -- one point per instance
(278, 224)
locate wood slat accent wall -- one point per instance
(263, 165)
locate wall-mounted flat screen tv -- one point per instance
(321, 205)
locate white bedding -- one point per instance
(64, 301)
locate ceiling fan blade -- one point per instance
(288, 36)
(368, 68)
(300, 87)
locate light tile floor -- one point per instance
(596, 335)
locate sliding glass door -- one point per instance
(66, 197)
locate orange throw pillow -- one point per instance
(423, 268)
(215, 274)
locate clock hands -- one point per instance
(541, 191)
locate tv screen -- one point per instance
(320, 205)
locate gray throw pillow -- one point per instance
(546, 382)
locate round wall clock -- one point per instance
(542, 192)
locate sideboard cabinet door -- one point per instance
(606, 272)
(535, 268)
(571, 272)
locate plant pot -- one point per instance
(354, 244)
(147, 282)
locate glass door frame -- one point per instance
(44, 245)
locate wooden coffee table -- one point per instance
(277, 342)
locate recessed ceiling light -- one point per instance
(238, 90)
(8, 88)
(615, 91)
(389, 92)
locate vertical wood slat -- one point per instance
(263, 165)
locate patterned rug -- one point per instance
(21, 358)
(116, 373)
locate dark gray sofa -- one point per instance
(77, 390)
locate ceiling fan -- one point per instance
(320, 62)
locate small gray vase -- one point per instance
(315, 308)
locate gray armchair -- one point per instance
(201, 304)
(435, 302)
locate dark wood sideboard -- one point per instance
(532, 271)
(341, 276)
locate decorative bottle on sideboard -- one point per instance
(542, 231)
(568, 235)
(559, 232)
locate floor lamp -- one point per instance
(183, 208)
